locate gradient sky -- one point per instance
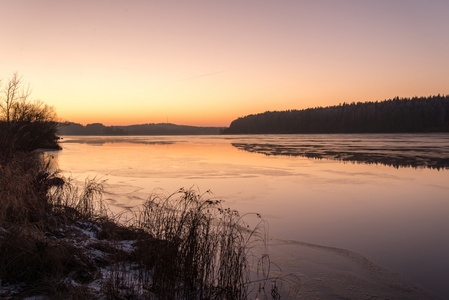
(207, 62)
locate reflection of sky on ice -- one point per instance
(396, 217)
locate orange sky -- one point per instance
(208, 62)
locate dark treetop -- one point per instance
(425, 114)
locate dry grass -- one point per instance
(72, 201)
(23, 182)
(28, 214)
(199, 250)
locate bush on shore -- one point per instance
(25, 125)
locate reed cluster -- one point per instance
(203, 251)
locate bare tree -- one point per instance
(16, 106)
(13, 94)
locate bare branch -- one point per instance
(15, 104)
(11, 91)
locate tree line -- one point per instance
(70, 128)
(398, 115)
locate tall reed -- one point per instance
(202, 250)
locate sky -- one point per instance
(208, 62)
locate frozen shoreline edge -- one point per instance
(327, 272)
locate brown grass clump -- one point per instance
(23, 182)
(29, 215)
(72, 201)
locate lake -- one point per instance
(385, 196)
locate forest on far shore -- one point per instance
(70, 128)
(398, 115)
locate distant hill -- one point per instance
(70, 128)
(424, 114)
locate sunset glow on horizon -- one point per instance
(207, 63)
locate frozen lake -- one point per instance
(385, 196)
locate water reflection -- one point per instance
(100, 141)
(394, 153)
